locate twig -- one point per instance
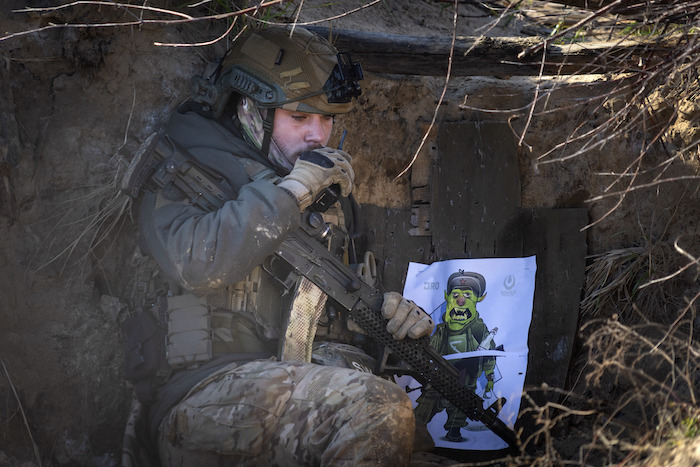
(24, 416)
(588, 19)
(330, 18)
(444, 88)
(142, 8)
(693, 262)
(128, 122)
(534, 100)
(186, 19)
(644, 186)
(442, 95)
(200, 44)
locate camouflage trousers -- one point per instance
(287, 413)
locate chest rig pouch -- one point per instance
(143, 331)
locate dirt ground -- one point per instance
(76, 102)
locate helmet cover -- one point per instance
(296, 70)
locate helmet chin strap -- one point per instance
(267, 130)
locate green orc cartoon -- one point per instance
(462, 330)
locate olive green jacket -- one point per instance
(203, 250)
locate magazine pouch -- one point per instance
(189, 339)
(144, 352)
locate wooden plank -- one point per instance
(475, 213)
(392, 245)
(421, 173)
(555, 236)
(420, 195)
(476, 191)
(420, 220)
(422, 166)
(486, 56)
(10, 146)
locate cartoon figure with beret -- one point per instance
(461, 330)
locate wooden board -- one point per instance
(555, 237)
(487, 56)
(392, 244)
(421, 176)
(476, 191)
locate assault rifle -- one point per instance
(306, 256)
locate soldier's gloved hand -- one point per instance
(316, 170)
(405, 317)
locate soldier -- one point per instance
(249, 151)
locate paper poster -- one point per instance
(482, 310)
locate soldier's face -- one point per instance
(296, 132)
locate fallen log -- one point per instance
(486, 56)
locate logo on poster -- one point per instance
(508, 285)
(431, 285)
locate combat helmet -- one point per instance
(279, 67)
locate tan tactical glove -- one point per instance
(316, 170)
(405, 317)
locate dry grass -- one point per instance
(626, 283)
(634, 382)
(37, 455)
(633, 395)
(635, 398)
(87, 220)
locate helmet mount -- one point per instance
(342, 85)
